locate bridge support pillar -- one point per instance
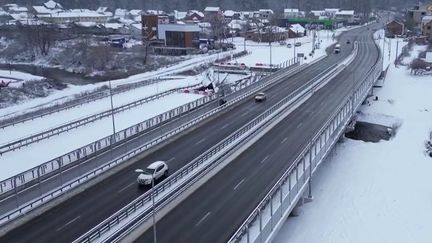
(298, 209)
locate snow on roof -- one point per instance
(120, 12)
(212, 9)
(18, 9)
(331, 10)
(345, 12)
(44, 10)
(199, 13)
(137, 18)
(426, 19)
(113, 26)
(135, 12)
(179, 15)
(229, 13)
(102, 9)
(204, 25)
(291, 10)
(266, 11)
(52, 5)
(155, 12)
(77, 13)
(136, 26)
(297, 28)
(19, 16)
(86, 24)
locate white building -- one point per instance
(290, 13)
(265, 13)
(75, 15)
(331, 12)
(347, 15)
(52, 5)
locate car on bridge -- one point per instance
(153, 172)
(261, 96)
(337, 48)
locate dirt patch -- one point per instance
(370, 132)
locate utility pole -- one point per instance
(397, 50)
(154, 212)
(112, 110)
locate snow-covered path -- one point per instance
(376, 192)
(38, 125)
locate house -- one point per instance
(331, 12)
(292, 13)
(237, 25)
(150, 24)
(179, 15)
(4, 17)
(426, 27)
(296, 30)
(52, 5)
(41, 11)
(17, 10)
(179, 35)
(212, 12)
(345, 16)
(416, 14)
(194, 16)
(317, 14)
(265, 14)
(74, 15)
(394, 28)
(134, 12)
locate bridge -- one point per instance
(249, 165)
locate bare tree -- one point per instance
(38, 38)
(218, 26)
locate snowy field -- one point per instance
(61, 96)
(376, 192)
(56, 119)
(281, 53)
(35, 154)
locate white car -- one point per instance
(261, 96)
(155, 170)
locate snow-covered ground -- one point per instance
(281, 53)
(35, 154)
(376, 192)
(61, 96)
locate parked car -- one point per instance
(297, 44)
(154, 171)
(282, 42)
(261, 96)
(289, 45)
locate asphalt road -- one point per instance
(215, 211)
(69, 220)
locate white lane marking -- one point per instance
(126, 187)
(200, 141)
(238, 184)
(224, 126)
(173, 158)
(299, 125)
(284, 140)
(262, 161)
(68, 223)
(202, 219)
(244, 113)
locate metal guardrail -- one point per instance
(198, 166)
(288, 190)
(84, 99)
(33, 175)
(87, 98)
(35, 138)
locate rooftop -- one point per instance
(212, 9)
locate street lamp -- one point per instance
(153, 202)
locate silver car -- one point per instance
(261, 96)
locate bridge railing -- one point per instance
(35, 138)
(280, 201)
(55, 166)
(138, 211)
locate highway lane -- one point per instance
(74, 217)
(217, 209)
